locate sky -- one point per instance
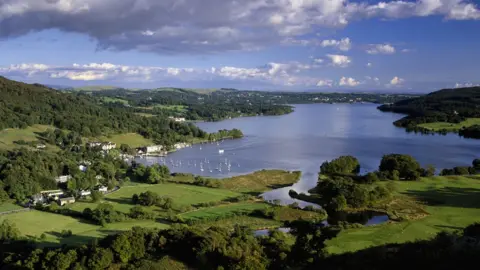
(291, 45)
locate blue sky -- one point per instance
(324, 45)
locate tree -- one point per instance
(407, 167)
(96, 196)
(343, 164)
(121, 248)
(8, 231)
(476, 164)
(100, 259)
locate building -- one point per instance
(41, 146)
(103, 189)
(38, 198)
(82, 168)
(181, 145)
(84, 193)
(63, 178)
(64, 201)
(153, 149)
(177, 119)
(102, 145)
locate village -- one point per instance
(62, 197)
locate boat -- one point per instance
(221, 151)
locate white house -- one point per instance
(82, 168)
(85, 193)
(103, 189)
(181, 145)
(177, 119)
(63, 178)
(102, 145)
(64, 201)
(41, 146)
(154, 149)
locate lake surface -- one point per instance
(311, 135)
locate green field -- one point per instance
(181, 195)
(10, 135)
(132, 139)
(145, 114)
(35, 223)
(9, 207)
(254, 223)
(451, 126)
(261, 181)
(113, 100)
(451, 202)
(223, 210)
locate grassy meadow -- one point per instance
(437, 126)
(261, 181)
(451, 202)
(30, 134)
(181, 195)
(132, 139)
(224, 210)
(35, 223)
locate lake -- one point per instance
(311, 135)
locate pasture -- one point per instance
(35, 223)
(182, 195)
(9, 136)
(451, 126)
(452, 202)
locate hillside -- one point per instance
(455, 106)
(23, 105)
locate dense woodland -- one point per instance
(448, 105)
(23, 105)
(220, 248)
(225, 103)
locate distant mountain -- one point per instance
(91, 88)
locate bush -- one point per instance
(343, 164)
(66, 233)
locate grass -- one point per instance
(224, 210)
(254, 223)
(181, 195)
(261, 181)
(35, 223)
(145, 114)
(113, 100)
(437, 126)
(451, 202)
(176, 108)
(132, 139)
(10, 135)
(9, 207)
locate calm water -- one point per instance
(309, 136)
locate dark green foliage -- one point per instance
(152, 175)
(448, 105)
(138, 212)
(406, 166)
(104, 213)
(96, 196)
(476, 164)
(459, 170)
(8, 231)
(66, 233)
(472, 132)
(150, 198)
(343, 164)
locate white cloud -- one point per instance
(322, 83)
(344, 81)
(344, 44)
(194, 26)
(397, 81)
(468, 84)
(339, 60)
(381, 49)
(369, 64)
(288, 74)
(318, 60)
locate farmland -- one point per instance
(451, 202)
(437, 126)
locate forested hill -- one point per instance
(23, 105)
(448, 105)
